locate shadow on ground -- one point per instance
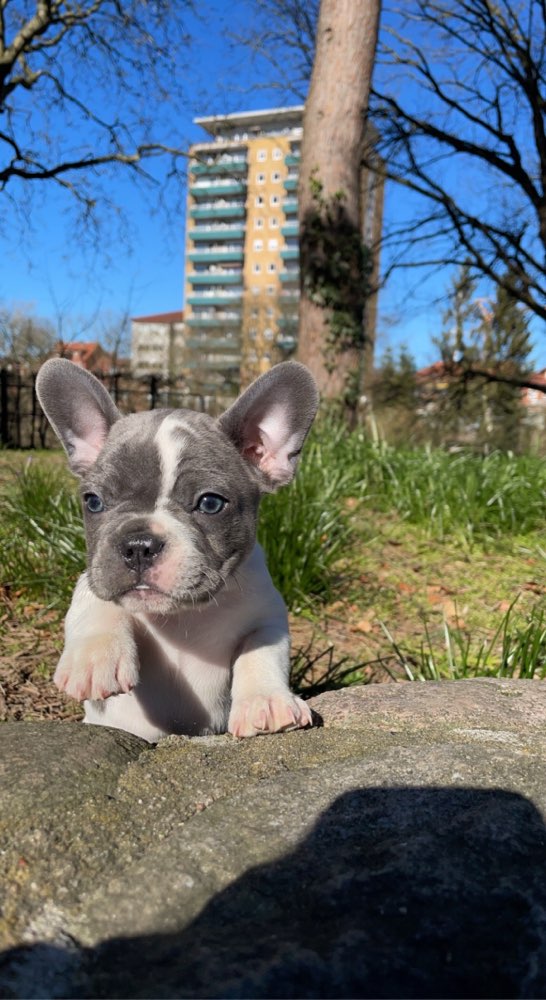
(410, 892)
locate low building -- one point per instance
(157, 344)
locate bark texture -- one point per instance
(332, 269)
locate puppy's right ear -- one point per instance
(79, 409)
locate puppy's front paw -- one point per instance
(272, 713)
(97, 667)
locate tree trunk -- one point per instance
(333, 267)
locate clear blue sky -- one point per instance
(47, 268)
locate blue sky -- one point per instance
(139, 268)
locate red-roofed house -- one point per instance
(87, 354)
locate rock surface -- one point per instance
(397, 851)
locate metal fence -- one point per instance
(23, 423)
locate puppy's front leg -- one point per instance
(261, 701)
(99, 658)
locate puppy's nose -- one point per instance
(140, 549)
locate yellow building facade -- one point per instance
(242, 276)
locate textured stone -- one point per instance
(399, 850)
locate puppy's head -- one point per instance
(170, 497)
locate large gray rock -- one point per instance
(399, 850)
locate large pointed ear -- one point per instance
(269, 422)
(79, 409)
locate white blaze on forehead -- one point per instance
(171, 439)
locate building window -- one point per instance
(268, 333)
(277, 153)
(256, 268)
(273, 222)
(274, 200)
(271, 268)
(260, 178)
(258, 223)
(275, 176)
(258, 244)
(262, 155)
(272, 244)
(259, 200)
(271, 289)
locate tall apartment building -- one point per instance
(242, 256)
(242, 275)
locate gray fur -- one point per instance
(176, 627)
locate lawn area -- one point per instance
(397, 565)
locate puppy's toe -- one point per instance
(274, 713)
(97, 668)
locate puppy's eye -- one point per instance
(210, 503)
(93, 503)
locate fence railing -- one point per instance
(23, 423)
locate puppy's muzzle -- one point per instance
(139, 550)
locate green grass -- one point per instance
(304, 528)
(41, 534)
(316, 531)
(522, 651)
(475, 497)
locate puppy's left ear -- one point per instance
(269, 422)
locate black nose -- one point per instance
(140, 549)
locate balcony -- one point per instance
(223, 344)
(289, 277)
(214, 319)
(292, 160)
(290, 206)
(287, 342)
(288, 321)
(218, 363)
(217, 278)
(291, 184)
(216, 256)
(222, 233)
(226, 298)
(290, 253)
(290, 229)
(219, 167)
(217, 188)
(234, 211)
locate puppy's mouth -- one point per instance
(144, 596)
(148, 597)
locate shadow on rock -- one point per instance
(410, 892)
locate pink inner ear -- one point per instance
(271, 445)
(85, 450)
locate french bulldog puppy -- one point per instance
(176, 626)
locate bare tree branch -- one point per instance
(460, 95)
(62, 64)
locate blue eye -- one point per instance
(93, 503)
(210, 503)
